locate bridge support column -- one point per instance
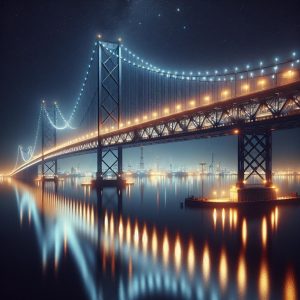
(255, 162)
(49, 167)
(109, 161)
(255, 157)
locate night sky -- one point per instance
(45, 47)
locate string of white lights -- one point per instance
(65, 126)
(68, 121)
(87, 73)
(62, 116)
(27, 156)
(227, 74)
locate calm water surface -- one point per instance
(71, 242)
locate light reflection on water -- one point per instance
(158, 249)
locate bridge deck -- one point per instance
(275, 108)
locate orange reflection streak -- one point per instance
(230, 218)
(121, 230)
(223, 270)
(235, 217)
(112, 226)
(206, 263)
(105, 222)
(242, 275)
(223, 218)
(165, 248)
(65, 240)
(264, 232)
(215, 217)
(244, 232)
(154, 243)
(191, 258)
(276, 217)
(145, 238)
(92, 217)
(290, 286)
(136, 235)
(272, 220)
(177, 254)
(88, 214)
(263, 281)
(128, 232)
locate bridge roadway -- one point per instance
(270, 109)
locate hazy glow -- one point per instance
(245, 87)
(145, 238)
(165, 248)
(154, 243)
(206, 263)
(136, 234)
(128, 232)
(261, 83)
(223, 270)
(290, 286)
(207, 98)
(177, 254)
(242, 276)
(235, 217)
(263, 281)
(105, 221)
(121, 230)
(112, 225)
(244, 232)
(223, 217)
(215, 217)
(264, 232)
(191, 258)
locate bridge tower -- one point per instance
(109, 161)
(49, 167)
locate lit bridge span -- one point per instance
(133, 102)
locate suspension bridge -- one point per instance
(126, 100)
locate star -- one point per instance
(184, 27)
(178, 9)
(159, 15)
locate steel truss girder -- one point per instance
(239, 114)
